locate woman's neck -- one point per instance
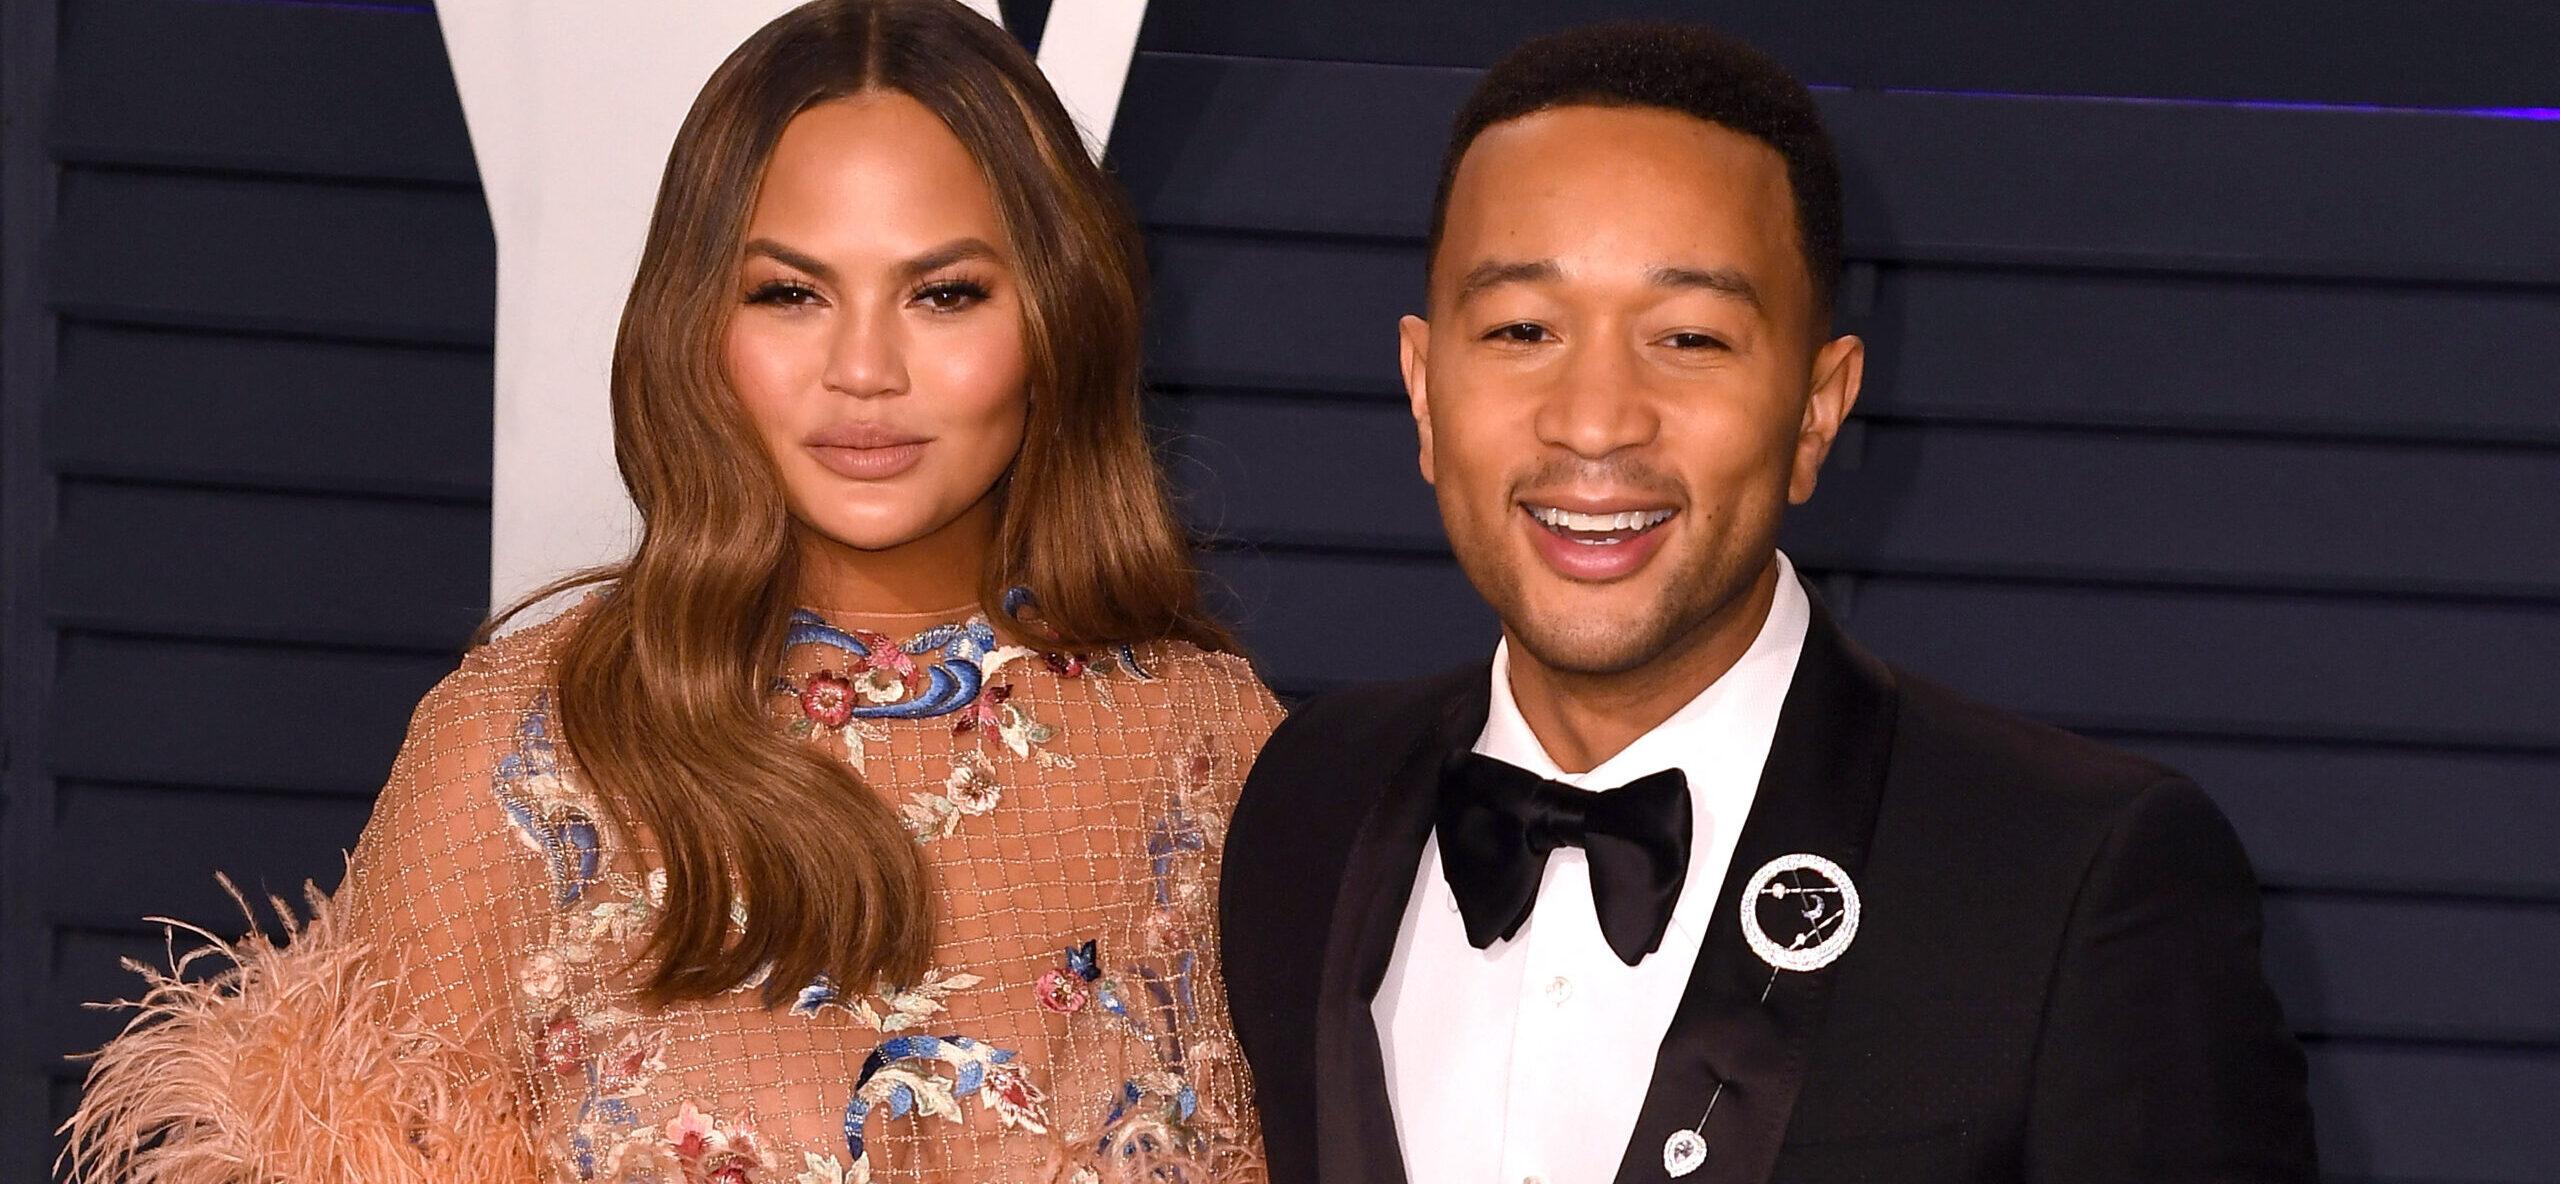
(936, 573)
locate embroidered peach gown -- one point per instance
(461, 1006)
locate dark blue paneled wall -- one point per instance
(246, 454)
(2221, 427)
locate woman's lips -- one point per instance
(876, 463)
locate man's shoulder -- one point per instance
(1993, 749)
(1328, 761)
(1370, 724)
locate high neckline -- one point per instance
(960, 612)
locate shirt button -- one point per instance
(1532, 1179)
(1559, 989)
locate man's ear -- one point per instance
(1414, 351)
(1838, 369)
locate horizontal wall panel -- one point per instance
(2401, 362)
(170, 712)
(1317, 621)
(222, 252)
(314, 89)
(1271, 145)
(87, 969)
(1279, 313)
(1298, 471)
(2181, 509)
(1900, 497)
(2034, 347)
(2357, 52)
(272, 412)
(287, 567)
(1942, 178)
(2379, 819)
(2276, 666)
(2468, 971)
(2432, 1115)
(165, 847)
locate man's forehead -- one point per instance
(1635, 190)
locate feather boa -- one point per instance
(287, 1067)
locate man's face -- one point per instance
(1622, 383)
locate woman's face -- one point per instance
(877, 341)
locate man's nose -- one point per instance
(1598, 404)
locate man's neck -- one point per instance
(1584, 719)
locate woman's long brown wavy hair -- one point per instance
(661, 682)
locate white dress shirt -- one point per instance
(1526, 1063)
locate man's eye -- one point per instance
(1693, 341)
(786, 293)
(1519, 333)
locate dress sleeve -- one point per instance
(1237, 714)
(372, 1041)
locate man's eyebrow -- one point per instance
(1721, 280)
(1493, 273)
(947, 254)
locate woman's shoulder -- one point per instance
(519, 661)
(1202, 688)
(493, 712)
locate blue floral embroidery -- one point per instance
(536, 796)
(896, 1077)
(1084, 961)
(1174, 833)
(1157, 1017)
(1018, 599)
(954, 684)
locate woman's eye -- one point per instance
(951, 295)
(786, 293)
(1519, 333)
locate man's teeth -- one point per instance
(1599, 523)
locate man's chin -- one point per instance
(1592, 639)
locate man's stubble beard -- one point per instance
(1691, 597)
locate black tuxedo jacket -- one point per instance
(2055, 977)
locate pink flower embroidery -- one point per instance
(1014, 1099)
(827, 699)
(1064, 665)
(1061, 991)
(690, 1133)
(564, 1046)
(984, 712)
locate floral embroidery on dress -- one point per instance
(899, 1077)
(547, 815)
(889, 680)
(970, 790)
(604, 1059)
(1155, 997)
(897, 1009)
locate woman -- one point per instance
(864, 824)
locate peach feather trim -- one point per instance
(288, 1068)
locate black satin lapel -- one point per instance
(1355, 1122)
(1817, 794)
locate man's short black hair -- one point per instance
(1688, 69)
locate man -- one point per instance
(1685, 884)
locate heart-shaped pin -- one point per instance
(1683, 1154)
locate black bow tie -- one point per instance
(1497, 822)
